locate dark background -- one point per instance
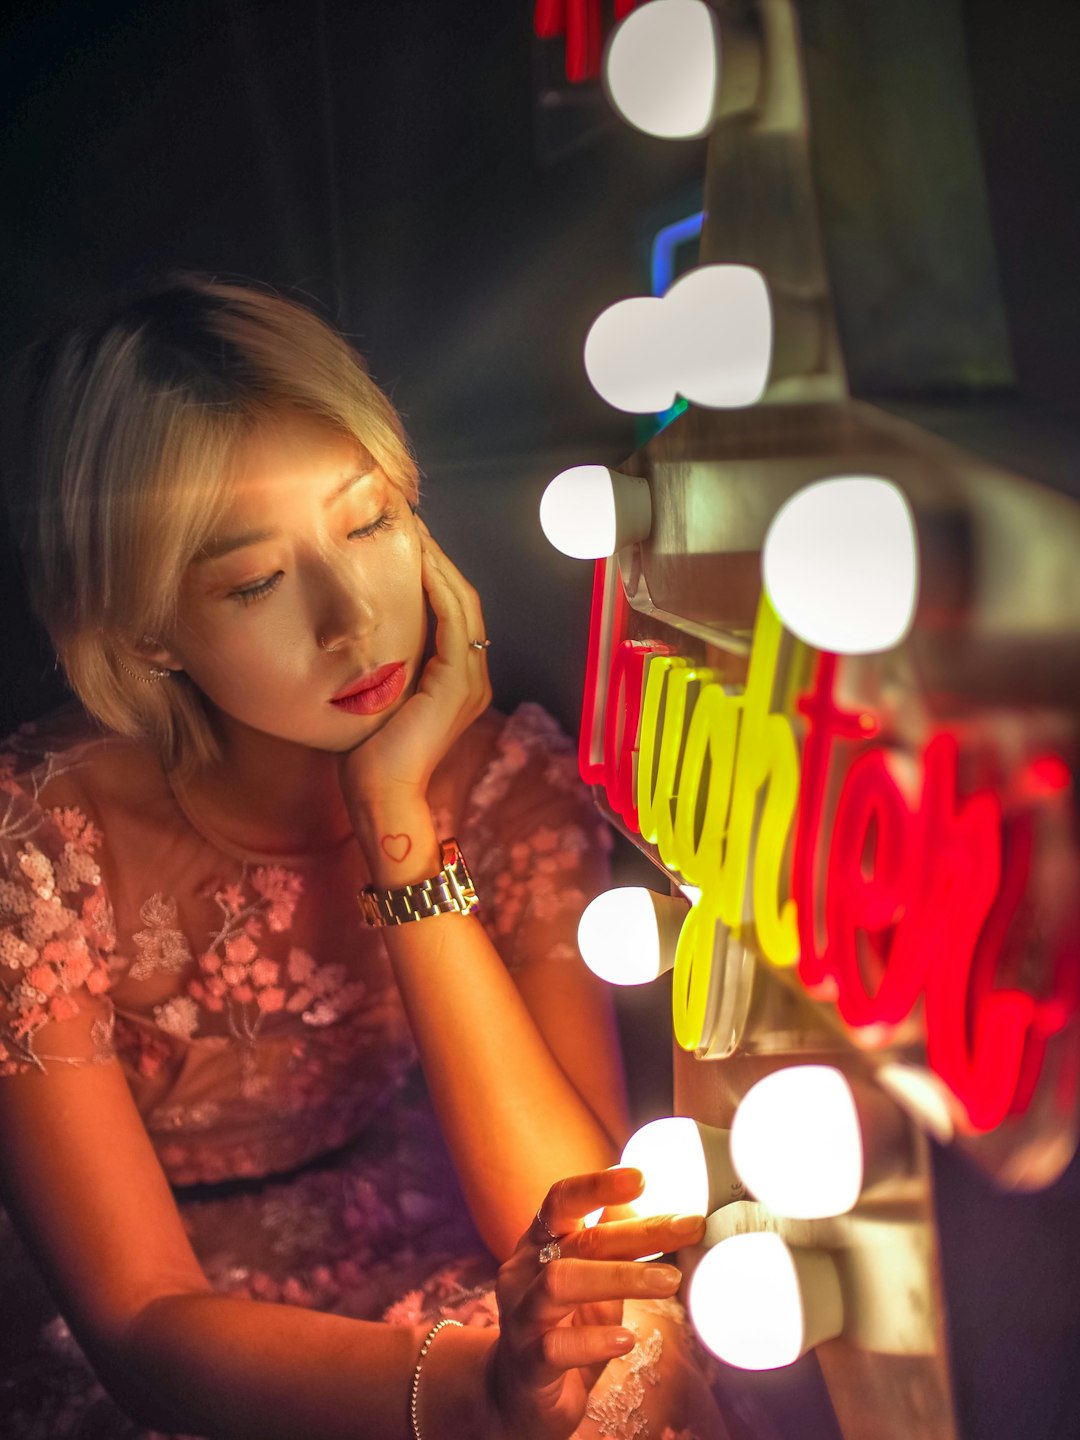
(422, 174)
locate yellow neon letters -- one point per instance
(692, 735)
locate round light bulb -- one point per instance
(720, 328)
(628, 356)
(590, 511)
(759, 1304)
(628, 935)
(840, 565)
(796, 1142)
(662, 69)
(670, 1155)
(687, 1167)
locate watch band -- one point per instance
(449, 892)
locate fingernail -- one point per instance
(662, 1277)
(621, 1339)
(686, 1224)
(628, 1178)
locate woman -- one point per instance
(235, 909)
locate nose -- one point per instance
(346, 610)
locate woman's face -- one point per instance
(304, 619)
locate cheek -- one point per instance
(229, 661)
(404, 589)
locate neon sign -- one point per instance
(896, 902)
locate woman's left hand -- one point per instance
(453, 689)
(561, 1318)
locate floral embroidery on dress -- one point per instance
(618, 1410)
(534, 883)
(536, 877)
(51, 944)
(161, 946)
(178, 1016)
(322, 996)
(235, 979)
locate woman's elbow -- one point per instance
(137, 1363)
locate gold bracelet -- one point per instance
(414, 1389)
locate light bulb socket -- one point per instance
(633, 509)
(725, 1187)
(888, 1134)
(800, 337)
(741, 65)
(671, 911)
(822, 1297)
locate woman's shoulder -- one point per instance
(64, 772)
(527, 742)
(63, 739)
(519, 762)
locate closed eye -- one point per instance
(384, 522)
(250, 593)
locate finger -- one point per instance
(571, 1283)
(458, 613)
(446, 567)
(569, 1347)
(636, 1236)
(570, 1200)
(451, 639)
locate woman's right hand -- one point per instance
(561, 1321)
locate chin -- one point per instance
(365, 727)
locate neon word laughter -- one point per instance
(920, 895)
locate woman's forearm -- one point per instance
(241, 1370)
(513, 1120)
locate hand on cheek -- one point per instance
(451, 690)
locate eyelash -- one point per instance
(266, 587)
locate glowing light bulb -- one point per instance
(720, 328)
(687, 1167)
(796, 1142)
(628, 935)
(841, 565)
(759, 1304)
(710, 338)
(662, 69)
(628, 356)
(590, 511)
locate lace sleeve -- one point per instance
(57, 938)
(537, 846)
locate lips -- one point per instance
(372, 692)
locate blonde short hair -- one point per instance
(124, 431)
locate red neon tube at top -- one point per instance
(581, 22)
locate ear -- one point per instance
(148, 651)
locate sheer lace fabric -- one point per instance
(260, 1031)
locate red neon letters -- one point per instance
(918, 904)
(621, 713)
(906, 900)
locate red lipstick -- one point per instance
(374, 692)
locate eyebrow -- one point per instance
(225, 545)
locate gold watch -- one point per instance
(449, 892)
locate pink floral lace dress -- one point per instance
(259, 1027)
